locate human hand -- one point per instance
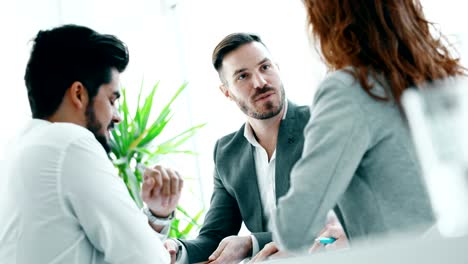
(336, 231)
(172, 247)
(269, 251)
(232, 249)
(161, 190)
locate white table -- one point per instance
(394, 251)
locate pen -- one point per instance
(325, 240)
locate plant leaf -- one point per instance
(131, 144)
(192, 223)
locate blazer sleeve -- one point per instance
(263, 238)
(336, 138)
(222, 219)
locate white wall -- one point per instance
(171, 45)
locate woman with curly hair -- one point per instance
(358, 155)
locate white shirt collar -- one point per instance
(248, 132)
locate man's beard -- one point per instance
(93, 125)
(271, 110)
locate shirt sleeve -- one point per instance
(335, 140)
(255, 247)
(183, 259)
(164, 233)
(98, 200)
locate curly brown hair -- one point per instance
(381, 37)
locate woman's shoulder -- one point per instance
(344, 82)
(344, 76)
(340, 82)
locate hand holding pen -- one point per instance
(325, 240)
(332, 237)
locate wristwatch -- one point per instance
(158, 220)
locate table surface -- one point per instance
(399, 250)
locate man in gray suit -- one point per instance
(252, 165)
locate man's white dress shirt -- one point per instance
(62, 202)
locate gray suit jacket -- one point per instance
(236, 197)
(358, 159)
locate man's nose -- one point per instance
(116, 118)
(259, 81)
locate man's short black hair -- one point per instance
(66, 54)
(230, 43)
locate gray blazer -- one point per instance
(236, 197)
(358, 156)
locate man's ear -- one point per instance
(78, 95)
(225, 90)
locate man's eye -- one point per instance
(242, 76)
(266, 66)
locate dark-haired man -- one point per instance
(61, 200)
(252, 165)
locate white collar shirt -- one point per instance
(62, 202)
(265, 170)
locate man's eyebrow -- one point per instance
(244, 69)
(239, 71)
(263, 61)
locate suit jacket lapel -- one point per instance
(247, 187)
(288, 149)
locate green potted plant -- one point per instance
(132, 145)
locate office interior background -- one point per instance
(171, 41)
